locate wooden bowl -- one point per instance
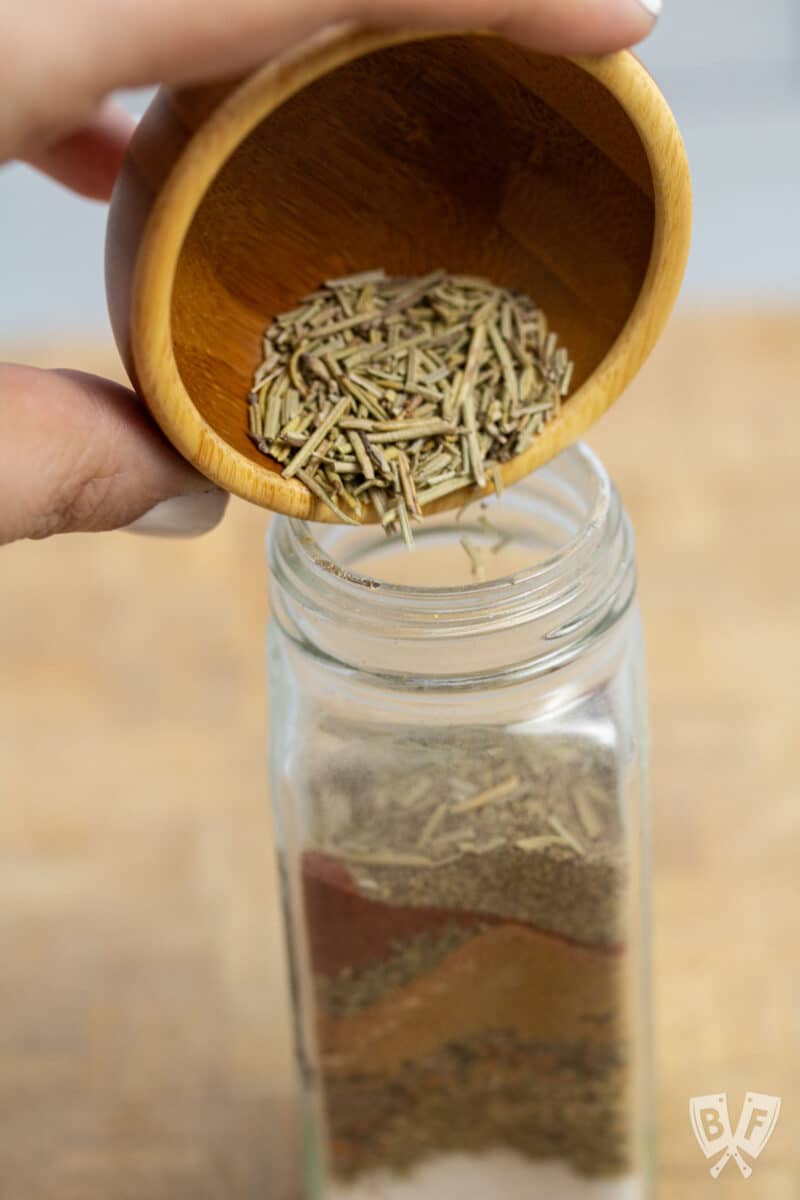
(566, 178)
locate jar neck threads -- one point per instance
(573, 580)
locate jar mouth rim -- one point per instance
(536, 578)
(538, 615)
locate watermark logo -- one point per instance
(712, 1128)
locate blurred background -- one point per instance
(143, 1021)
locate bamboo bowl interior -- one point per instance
(458, 151)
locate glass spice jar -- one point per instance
(459, 779)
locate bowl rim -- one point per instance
(248, 103)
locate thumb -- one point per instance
(80, 453)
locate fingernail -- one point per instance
(652, 6)
(182, 516)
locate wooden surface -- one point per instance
(400, 150)
(143, 1021)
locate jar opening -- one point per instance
(554, 553)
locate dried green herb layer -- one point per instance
(395, 392)
(545, 1100)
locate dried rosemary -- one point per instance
(393, 392)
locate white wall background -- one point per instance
(731, 70)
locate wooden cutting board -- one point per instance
(144, 1039)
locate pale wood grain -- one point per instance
(566, 178)
(144, 1051)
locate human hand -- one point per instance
(81, 453)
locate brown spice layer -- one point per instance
(506, 977)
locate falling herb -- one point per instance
(475, 557)
(394, 392)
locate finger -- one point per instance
(183, 40)
(88, 160)
(79, 453)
